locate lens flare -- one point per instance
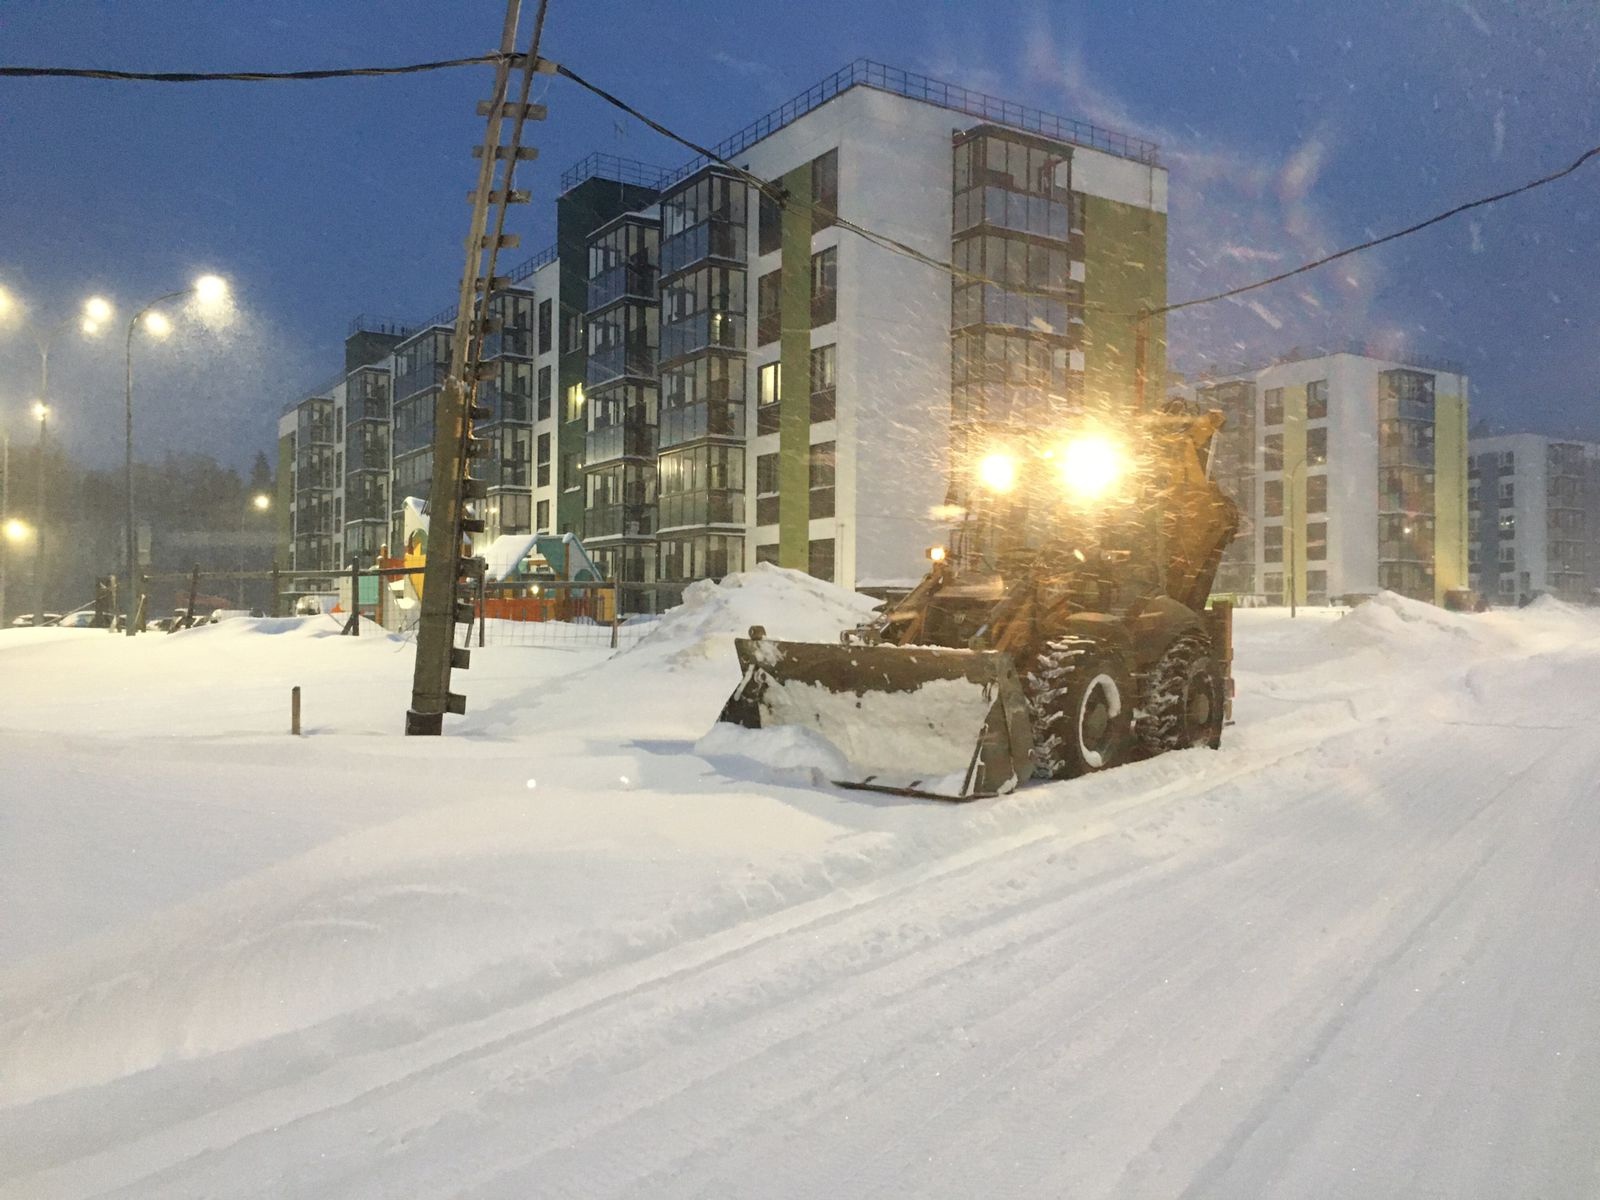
(998, 472)
(1091, 466)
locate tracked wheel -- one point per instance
(1184, 700)
(1081, 694)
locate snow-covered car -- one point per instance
(25, 621)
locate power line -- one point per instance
(246, 76)
(1592, 152)
(778, 194)
(913, 252)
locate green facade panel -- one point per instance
(1125, 270)
(1449, 494)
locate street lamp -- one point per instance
(209, 292)
(96, 311)
(260, 502)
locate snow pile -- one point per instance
(790, 605)
(1394, 621)
(788, 753)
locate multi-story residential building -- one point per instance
(1532, 517)
(1350, 470)
(725, 372)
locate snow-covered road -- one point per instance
(1352, 954)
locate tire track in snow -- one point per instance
(352, 1080)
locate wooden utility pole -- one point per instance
(448, 568)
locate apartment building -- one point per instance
(1533, 512)
(807, 396)
(719, 379)
(1350, 469)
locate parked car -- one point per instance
(25, 621)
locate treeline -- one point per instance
(189, 510)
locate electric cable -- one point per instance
(247, 76)
(929, 260)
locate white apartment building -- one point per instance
(1349, 468)
(1533, 517)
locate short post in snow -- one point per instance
(353, 625)
(294, 710)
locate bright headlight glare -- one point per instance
(998, 472)
(1091, 466)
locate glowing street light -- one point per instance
(262, 502)
(17, 531)
(210, 292)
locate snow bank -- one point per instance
(1391, 620)
(791, 605)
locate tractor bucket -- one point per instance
(911, 720)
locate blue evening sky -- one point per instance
(1289, 128)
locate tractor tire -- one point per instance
(1183, 700)
(1081, 694)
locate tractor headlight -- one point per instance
(1091, 466)
(998, 472)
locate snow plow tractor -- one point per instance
(1063, 631)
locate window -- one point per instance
(1272, 452)
(823, 366)
(514, 513)
(1272, 543)
(571, 334)
(769, 293)
(571, 479)
(1316, 541)
(1316, 493)
(1508, 492)
(824, 286)
(543, 461)
(1272, 403)
(1508, 463)
(767, 553)
(1317, 446)
(546, 326)
(766, 474)
(770, 232)
(544, 393)
(766, 489)
(1317, 400)
(824, 189)
(1316, 585)
(822, 473)
(1508, 525)
(769, 394)
(1272, 498)
(573, 408)
(1272, 583)
(820, 559)
(543, 517)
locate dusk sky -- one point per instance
(1288, 129)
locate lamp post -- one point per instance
(208, 290)
(260, 502)
(96, 312)
(1289, 525)
(41, 413)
